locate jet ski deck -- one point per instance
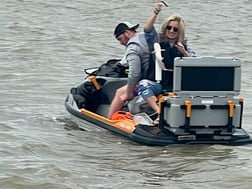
(204, 107)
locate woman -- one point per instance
(173, 44)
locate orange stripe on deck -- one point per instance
(126, 125)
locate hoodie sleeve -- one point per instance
(134, 61)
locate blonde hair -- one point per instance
(181, 27)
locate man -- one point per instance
(136, 57)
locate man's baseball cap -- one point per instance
(122, 27)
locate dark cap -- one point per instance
(122, 27)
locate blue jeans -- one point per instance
(148, 88)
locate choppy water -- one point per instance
(44, 46)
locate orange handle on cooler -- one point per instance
(94, 81)
(171, 94)
(241, 100)
(231, 108)
(188, 108)
(160, 101)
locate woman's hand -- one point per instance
(181, 48)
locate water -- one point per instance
(44, 47)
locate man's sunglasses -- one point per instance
(170, 28)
